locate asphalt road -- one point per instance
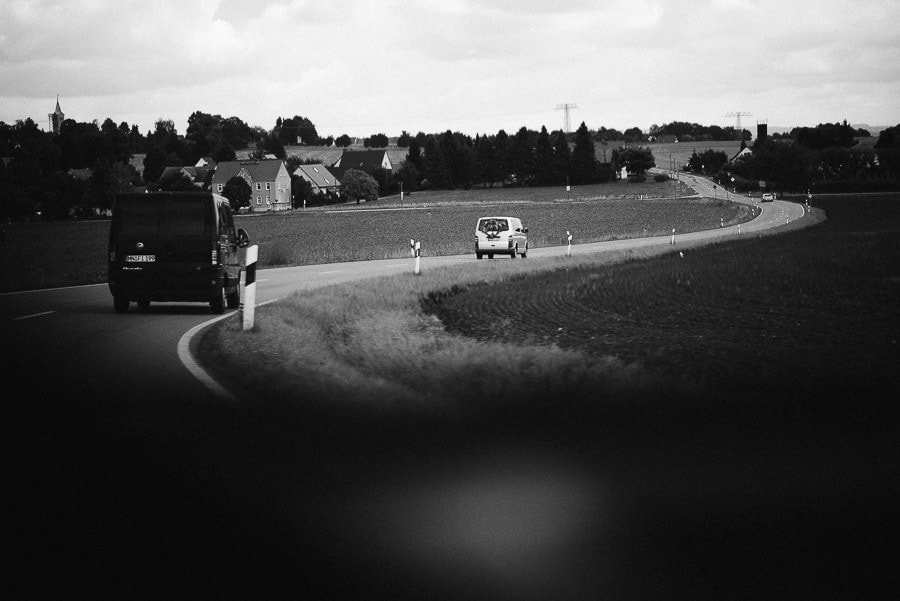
(127, 469)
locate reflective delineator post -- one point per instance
(249, 305)
(569, 243)
(673, 236)
(415, 248)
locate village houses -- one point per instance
(269, 180)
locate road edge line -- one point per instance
(189, 360)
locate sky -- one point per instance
(362, 67)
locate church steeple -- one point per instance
(56, 117)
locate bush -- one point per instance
(661, 177)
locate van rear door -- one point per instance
(164, 245)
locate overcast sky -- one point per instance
(362, 67)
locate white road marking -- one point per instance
(190, 362)
(187, 359)
(33, 315)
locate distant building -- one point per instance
(368, 161)
(319, 177)
(56, 118)
(744, 151)
(269, 180)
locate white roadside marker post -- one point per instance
(569, 243)
(415, 248)
(249, 305)
(739, 229)
(673, 236)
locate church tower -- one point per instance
(56, 118)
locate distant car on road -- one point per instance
(768, 197)
(500, 235)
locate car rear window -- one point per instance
(493, 225)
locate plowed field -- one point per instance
(780, 313)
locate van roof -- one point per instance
(168, 195)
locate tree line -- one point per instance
(526, 158)
(82, 167)
(825, 158)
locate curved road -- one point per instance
(110, 432)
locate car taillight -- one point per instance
(215, 257)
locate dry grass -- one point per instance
(371, 344)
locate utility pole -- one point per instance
(566, 108)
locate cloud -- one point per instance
(361, 66)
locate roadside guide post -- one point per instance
(673, 236)
(569, 243)
(249, 305)
(415, 249)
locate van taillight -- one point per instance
(215, 257)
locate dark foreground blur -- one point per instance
(735, 490)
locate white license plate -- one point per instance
(140, 258)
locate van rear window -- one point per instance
(139, 218)
(493, 225)
(188, 218)
(154, 217)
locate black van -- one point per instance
(174, 246)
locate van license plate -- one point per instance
(140, 258)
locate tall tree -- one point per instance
(434, 164)
(562, 157)
(888, 150)
(545, 169)
(522, 157)
(504, 161)
(584, 160)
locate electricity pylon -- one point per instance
(565, 108)
(737, 115)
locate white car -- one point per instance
(768, 197)
(500, 236)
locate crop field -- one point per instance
(667, 154)
(444, 221)
(42, 255)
